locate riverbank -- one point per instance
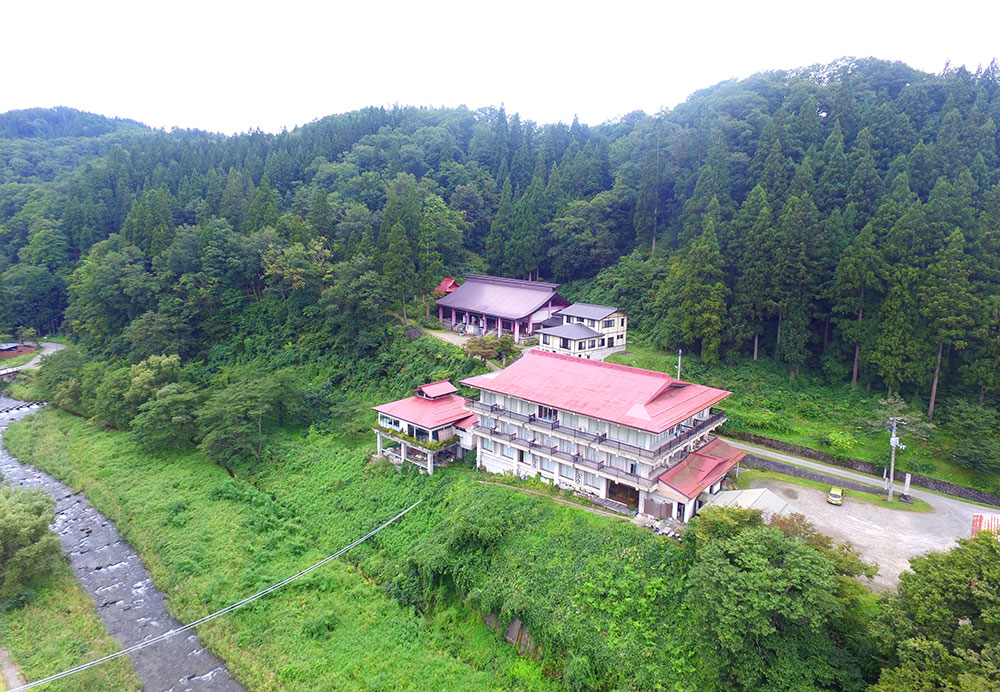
(209, 541)
(128, 602)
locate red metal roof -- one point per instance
(467, 423)
(427, 413)
(702, 468)
(643, 399)
(986, 522)
(495, 296)
(447, 285)
(436, 389)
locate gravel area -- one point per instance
(887, 537)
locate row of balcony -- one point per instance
(665, 448)
(634, 479)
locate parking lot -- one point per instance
(887, 537)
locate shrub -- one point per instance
(28, 548)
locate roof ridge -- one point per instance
(610, 366)
(523, 283)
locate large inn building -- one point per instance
(629, 438)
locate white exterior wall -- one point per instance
(547, 467)
(615, 339)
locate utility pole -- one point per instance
(679, 352)
(893, 444)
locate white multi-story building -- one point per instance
(626, 436)
(584, 330)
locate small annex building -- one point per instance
(761, 499)
(446, 286)
(584, 330)
(497, 305)
(427, 428)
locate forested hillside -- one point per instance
(236, 299)
(840, 218)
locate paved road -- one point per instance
(47, 348)
(888, 537)
(109, 569)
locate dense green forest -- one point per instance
(840, 218)
(237, 299)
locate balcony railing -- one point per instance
(665, 448)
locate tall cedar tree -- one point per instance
(858, 274)
(949, 303)
(399, 269)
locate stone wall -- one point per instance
(869, 468)
(756, 462)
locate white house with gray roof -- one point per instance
(584, 330)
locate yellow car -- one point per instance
(835, 496)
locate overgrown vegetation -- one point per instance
(840, 420)
(52, 625)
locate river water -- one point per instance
(132, 608)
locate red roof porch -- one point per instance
(702, 468)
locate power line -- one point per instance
(218, 613)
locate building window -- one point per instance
(621, 336)
(608, 324)
(548, 465)
(592, 343)
(564, 344)
(508, 452)
(600, 342)
(623, 321)
(487, 445)
(591, 479)
(545, 339)
(546, 413)
(565, 471)
(590, 323)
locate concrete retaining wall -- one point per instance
(917, 479)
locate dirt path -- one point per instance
(47, 348)
(558, 500)
(11, 674)
(127, 600)
(449, 336)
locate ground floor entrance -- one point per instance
(622, 493)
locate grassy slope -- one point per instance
(58, 629)
(807, 411)
(209, 541)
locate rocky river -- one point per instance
(132, 608)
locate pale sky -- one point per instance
(231, 67)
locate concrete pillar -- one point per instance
(479, 452)
(465, 319)
(517, 331)
(378, 437)
(430, 463)
(440, 314)
(499, 327)
(453, 317)
(482, 324)
(402, 451)
(604, 488)
(642, 502)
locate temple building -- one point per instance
(495, 305)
